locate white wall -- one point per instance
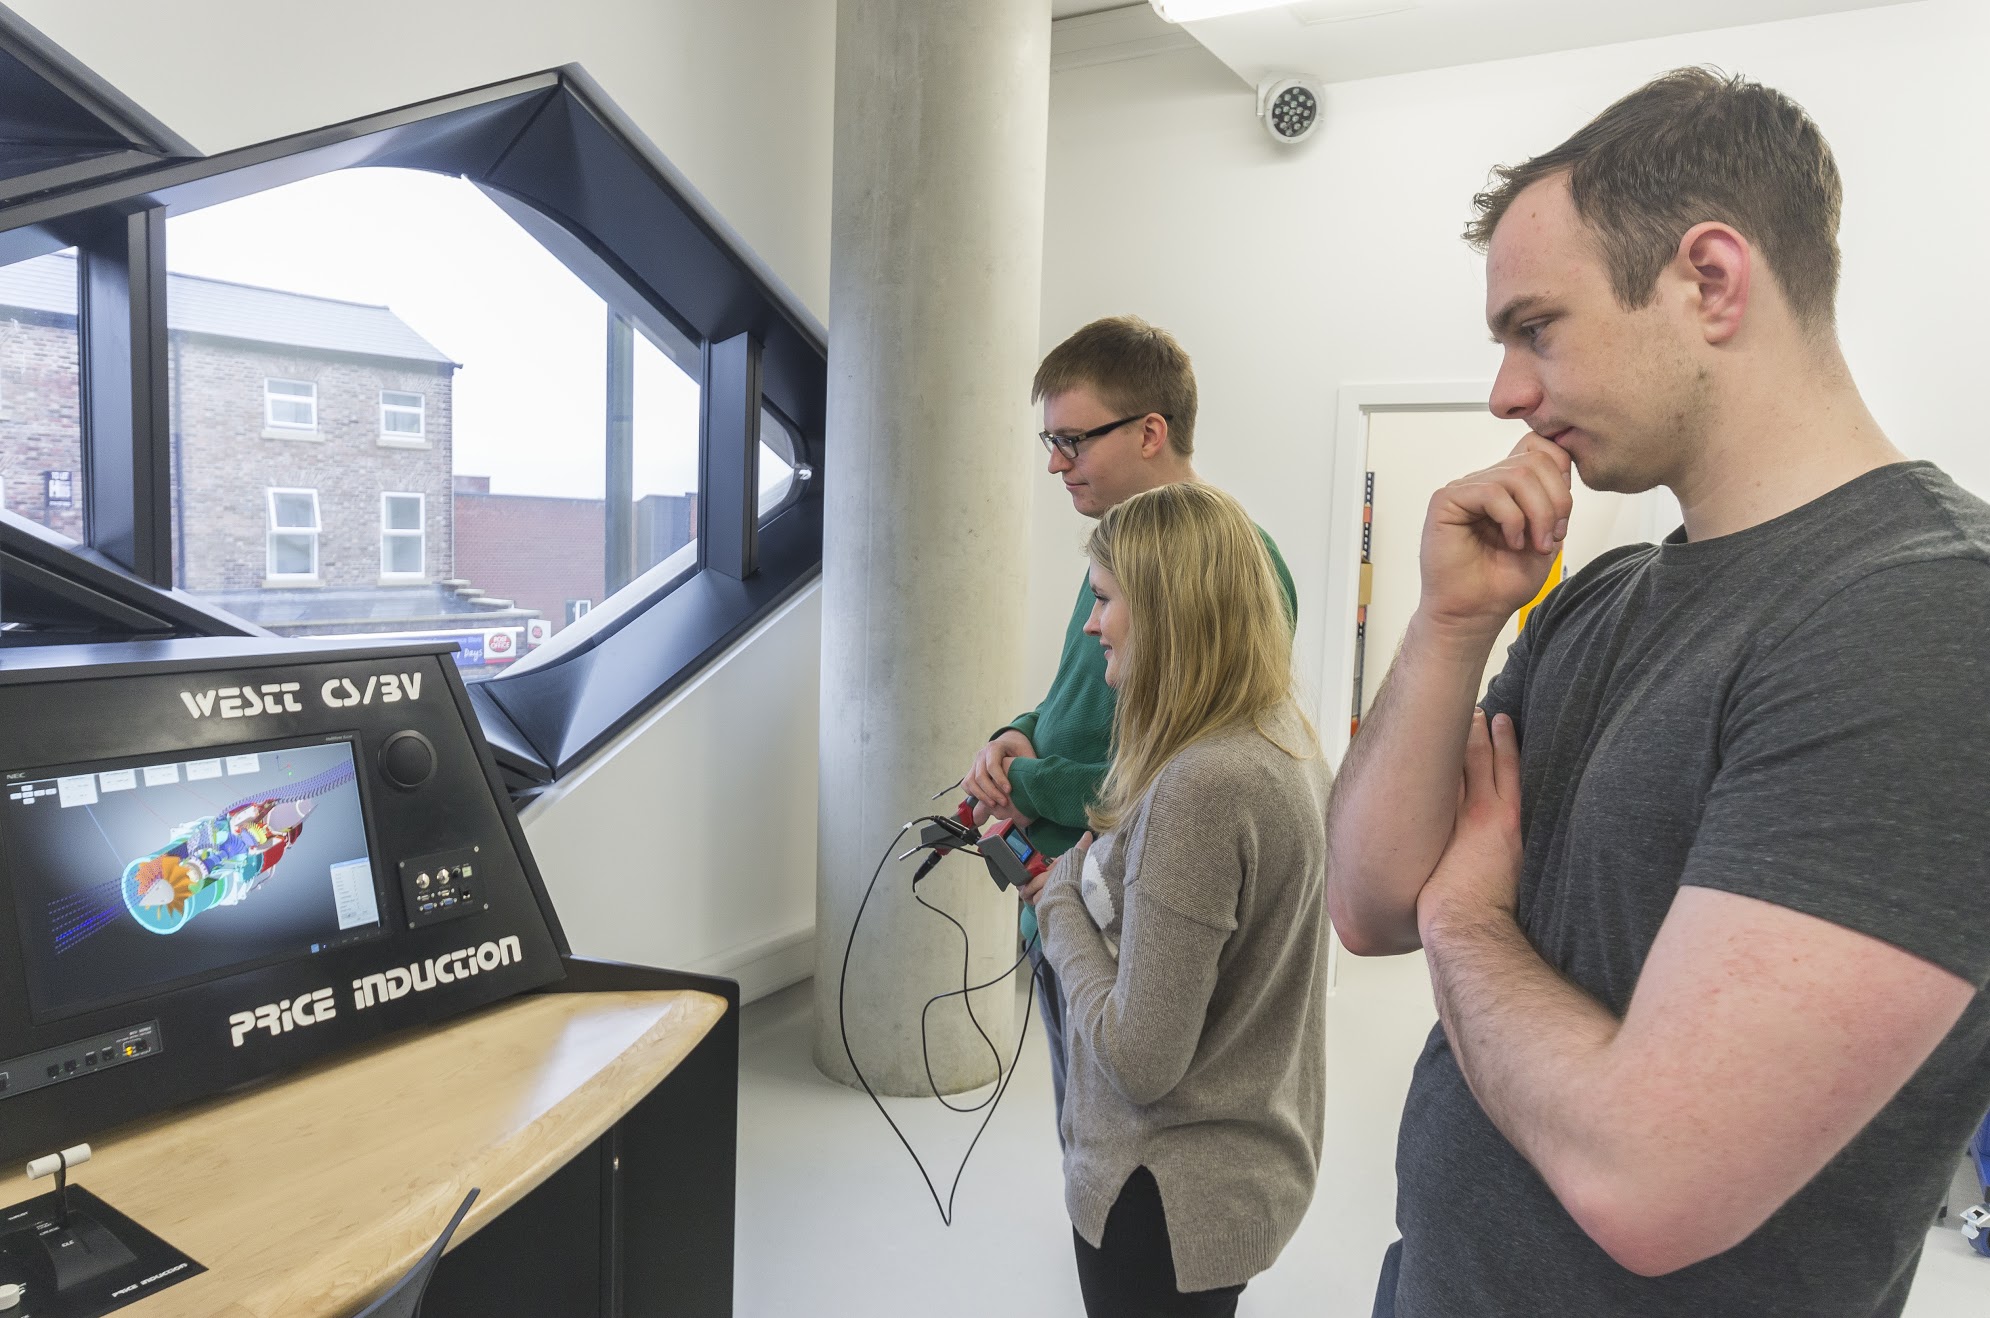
(737, 95)
(689, 842)
(1287, 273)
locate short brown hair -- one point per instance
(1133, 366)
(1691, 146)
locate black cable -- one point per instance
(963, 993)
(1002, 1081)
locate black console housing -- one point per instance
(141, 787)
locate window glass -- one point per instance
(41, 430)
(469, 408)
(291, 403)
(293, 533)
(401, 415)
(401, 535)
(778, 483)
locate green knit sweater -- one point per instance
(1072, 733)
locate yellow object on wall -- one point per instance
(1554, 579)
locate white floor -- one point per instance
(833, 1218)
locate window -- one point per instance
(290, 404)
(401, 417)
(442, 354)
(293, 535)
(402, 536)
(781, 475)
(41, 429)
(501, 305)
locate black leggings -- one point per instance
(1132, 1272)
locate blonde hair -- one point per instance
(1209, 642)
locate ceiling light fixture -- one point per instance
(1194, 11)
(1306, 11)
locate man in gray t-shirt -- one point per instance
(1707, 923)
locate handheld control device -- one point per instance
(1012, 864)
(1016, 860)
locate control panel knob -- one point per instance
(10, 1297)
(408, 759)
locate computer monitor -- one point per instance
(137, 876)
(224, 859)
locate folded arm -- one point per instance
(1489, 540)
(1760, 1038)
(1396, 795)
(1759, 1042)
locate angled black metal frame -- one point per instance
(564, 163)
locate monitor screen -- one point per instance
(138, 876)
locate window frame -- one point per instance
(274, 528)
(271, 398)
(102, 131)
(419, 534)
(557, 156)
(418, 437)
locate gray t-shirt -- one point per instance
(1800, 713)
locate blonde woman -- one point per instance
(1189, 936)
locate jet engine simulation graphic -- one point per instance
(216, 860)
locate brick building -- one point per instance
(311, 452)
(549, 552)
(41, 451)
(312, 470)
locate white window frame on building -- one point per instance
(277, 529)
(389, 534)
(417, 411)
(273, 398)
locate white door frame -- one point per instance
(1343, 575)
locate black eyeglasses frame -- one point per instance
(1068, 444)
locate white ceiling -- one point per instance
(1320, 38)
(1073, 8)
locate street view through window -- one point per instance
(394, 414)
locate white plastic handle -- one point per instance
(55, 1162)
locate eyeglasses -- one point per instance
(1068, 444)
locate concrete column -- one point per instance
(936, 248)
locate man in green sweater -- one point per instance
(1118, 419)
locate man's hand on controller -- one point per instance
(987, 779)
(1490, 538)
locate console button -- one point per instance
(407, 760)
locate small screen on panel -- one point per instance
(138, 876)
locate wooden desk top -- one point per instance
(308, 1197)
